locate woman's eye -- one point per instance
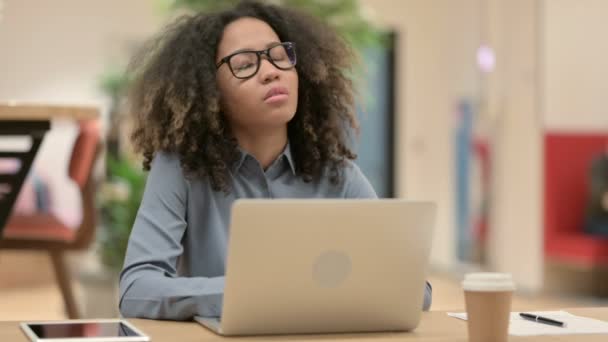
(245, 66)
(278, 55)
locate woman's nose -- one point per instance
(268, 72)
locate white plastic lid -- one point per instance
(489, 282)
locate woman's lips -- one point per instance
(276, 94)
(277, 98)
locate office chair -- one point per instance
(45, 232)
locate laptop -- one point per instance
(301, 266)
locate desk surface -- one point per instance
(33, 112)
(435, 326)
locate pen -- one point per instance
(541, 319)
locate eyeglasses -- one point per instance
(245, 64)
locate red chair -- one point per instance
(567, 160)
(44, 232)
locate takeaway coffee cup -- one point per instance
(488, 305)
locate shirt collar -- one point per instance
(289, 157)
(242, 155)
(286, 153)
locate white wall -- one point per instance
(575, 72)
(438, 60)
(553, 78)
(437, 67)
(516, 239)
(54, 52)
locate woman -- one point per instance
(226, 109)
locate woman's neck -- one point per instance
(265, 146)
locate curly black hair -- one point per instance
(175, 103)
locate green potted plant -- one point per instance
(118, 201)
(347, 16)
(120, 197)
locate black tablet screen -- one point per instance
(79, 329)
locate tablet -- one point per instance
(107, 330)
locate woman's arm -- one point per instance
(149, 284)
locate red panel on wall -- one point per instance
(567, 160)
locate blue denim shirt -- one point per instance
(176, 256)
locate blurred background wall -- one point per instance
(548, 70)
(56, 52)
(575, 65)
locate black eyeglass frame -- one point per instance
(259, 53)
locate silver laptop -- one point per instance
(325, 266)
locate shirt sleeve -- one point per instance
(358, 186)
(149, 283)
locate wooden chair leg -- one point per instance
(63, 279)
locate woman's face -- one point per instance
(269, 98)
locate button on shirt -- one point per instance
(176, 257)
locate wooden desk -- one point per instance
(33, 120)
(41, 112)
(435, 326)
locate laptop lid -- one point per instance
(322, 266)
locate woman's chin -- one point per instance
(279, 117)
(264, 118)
